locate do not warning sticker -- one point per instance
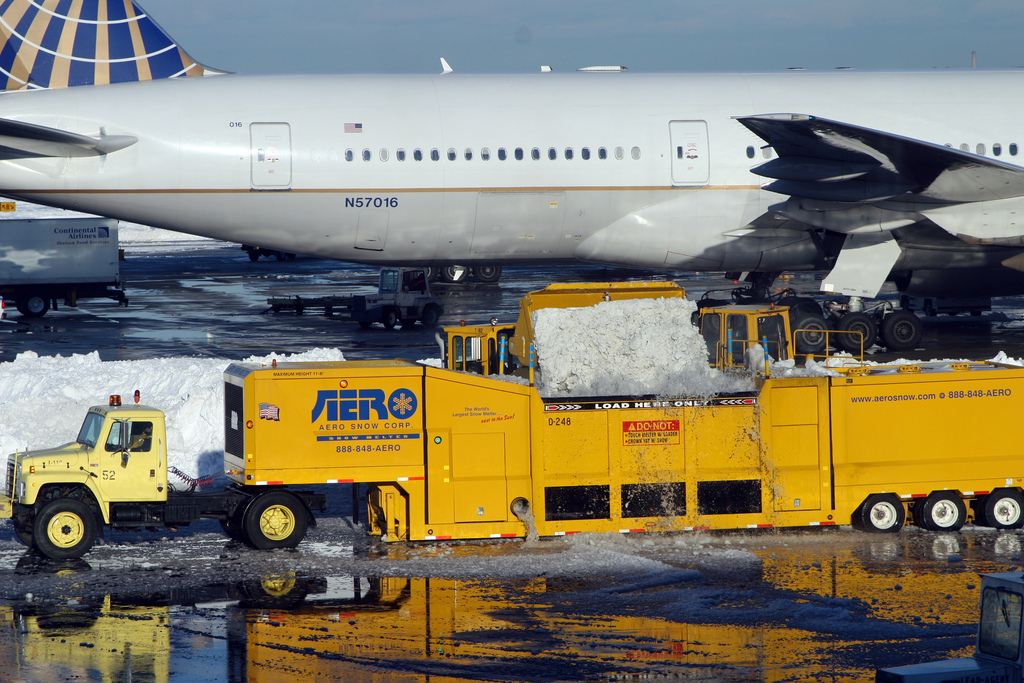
(650, 432)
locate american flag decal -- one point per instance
(353, 128)
(268, 411)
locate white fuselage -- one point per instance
(264, 160)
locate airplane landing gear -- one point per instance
(898, 330)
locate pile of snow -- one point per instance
(623, 348)
(43, 400)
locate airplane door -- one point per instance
(690, 158)
(271, 155)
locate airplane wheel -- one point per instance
(811, 338)
(941, 511)
(487, 274)
(880, 513)
(856, 322)
(901, 331)
(454, 273)
(390, 318)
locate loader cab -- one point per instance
(478, 349)
(730, 330)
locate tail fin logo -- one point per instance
(62, 43)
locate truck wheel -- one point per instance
(232, 527)
(23, 532)
(389, 318)
(487, 274)
(880, 512)
(941, 511)
(34, 306)
(431, 314)
(812, 338)
(901, 331)
(856, 322)
(275, 520)
(65, 529)
(1001, 509)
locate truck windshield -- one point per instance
(999, 631)
(89, 434)
(388, 281)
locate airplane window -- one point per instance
(383, 155)
(585, 153)
(469, 154)
(434, 154)
(349, 155)
(1013, 149)
(501, 153)
(602, 153)
(618, 153)
(750, 151)
(997, 149)
(568, 153)
(417, 155)
(519, 153)
(400, 154)
(366, 155)
(451, 154)
(485, 154)
(980, 149)
(965, 147)
(535, 154)
(635, 153)
(766, 152)
(552, 153)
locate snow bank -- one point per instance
(622, 348)
(43, 400)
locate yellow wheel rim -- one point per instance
(277, 522)
(278, 586)
(65, 530)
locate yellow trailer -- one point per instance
(450, 455)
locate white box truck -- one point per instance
(49, 259)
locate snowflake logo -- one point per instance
(403, 403)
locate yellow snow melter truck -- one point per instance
(456, 455)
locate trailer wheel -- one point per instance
(1002, 509)
(275, 520)
(880, 513)
(941, 511)
(431, 314)
(856, 322)
(901, 331)
(33, 306)
(65, 529)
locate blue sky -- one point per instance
(292, 36)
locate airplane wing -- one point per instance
(834, 161)
(20, 140)
(866, 183)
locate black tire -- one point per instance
(940, 511)
(454, 273)
(487, 274)
(64, 529)
(232, 527)
(280, 255)
(274, 520)
(254, 256)
(880, 513)
(901, 331)
(33, 306)
(856, 322)
(24, 533)
(431, 314)
(364, 324)
(814, 336)
(1001, 509)
(389, 318)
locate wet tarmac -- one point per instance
(194, 606)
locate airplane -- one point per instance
(915, 177)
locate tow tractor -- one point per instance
(998, 655)
(403, 297)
